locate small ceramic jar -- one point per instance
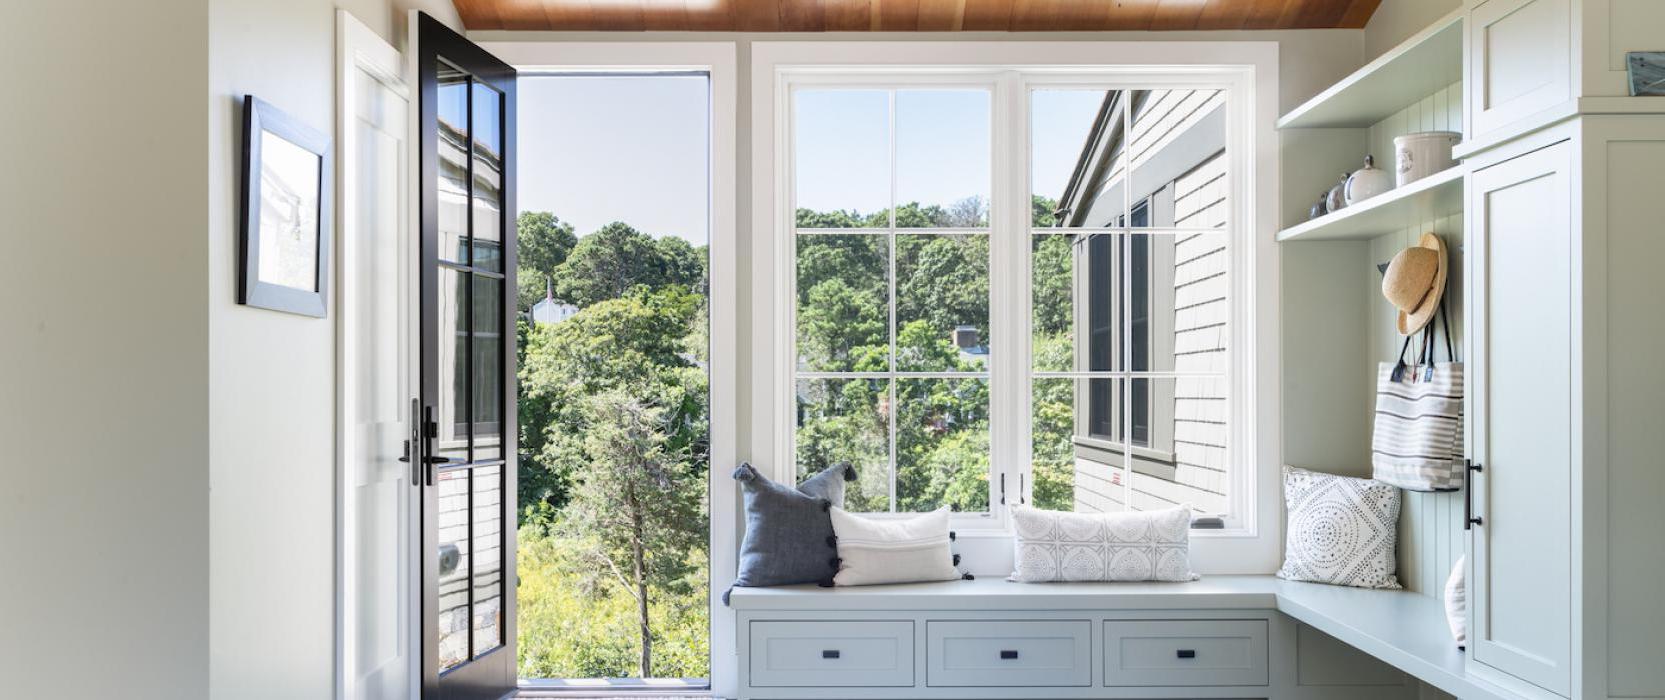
(1336, 199)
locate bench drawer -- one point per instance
(1184, 652)
(831, 653)
(1034, 654)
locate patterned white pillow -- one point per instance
(1341, 530)
(1139, 546)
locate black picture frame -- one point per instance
(281, 284)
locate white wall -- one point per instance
(103, 336)
(271, 376)
(1396, 20)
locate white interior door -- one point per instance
(378, 601)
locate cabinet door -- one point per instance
(1519, 61)
(1520, 270)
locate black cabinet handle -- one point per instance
(1187, 653)
(1008, 653)
(829, 653)
(1469, 518)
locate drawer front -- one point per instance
(1184, 652)
(979, 654)
(831, 653)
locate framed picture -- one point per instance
(1647, 73)
(285, 247)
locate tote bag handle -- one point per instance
(1425, 356)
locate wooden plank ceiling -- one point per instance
(912, 15)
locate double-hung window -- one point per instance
(1015, 286)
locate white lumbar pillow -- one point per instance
(1456, 602)
(1341, 530)
(1137, 546)
(872, 551)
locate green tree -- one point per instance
(633, 510)
(942, 281)
(617, 258)
(1044, 211)
(543, 242)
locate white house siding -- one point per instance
(1165, 115)
(1200, 333)
(480, 559)
(1198, 471)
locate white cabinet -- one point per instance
(1566, 406)
(1519, 61)
(1521, 257)
(1529, 63)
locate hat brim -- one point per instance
(1418, 318)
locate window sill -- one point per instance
(1116, 448)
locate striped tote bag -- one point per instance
(1417, 441)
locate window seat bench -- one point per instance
(1093, 640)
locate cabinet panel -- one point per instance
(832, 653)
(1521, 262)
(1519, 60)
(1036, 654)
(1184, 652)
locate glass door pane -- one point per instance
(467, 197)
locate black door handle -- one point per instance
(1008, 653)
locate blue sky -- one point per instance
(599, 149)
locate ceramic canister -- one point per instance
(1419, 155)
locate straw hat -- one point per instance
(1414, 282)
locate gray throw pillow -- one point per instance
(789, 535)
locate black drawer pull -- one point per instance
(1008, 653)
(1187, 653)
(829, 653)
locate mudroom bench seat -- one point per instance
(1220, 637)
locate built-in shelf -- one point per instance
(1417, 68)
(1437, 194)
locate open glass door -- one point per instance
(466, 440)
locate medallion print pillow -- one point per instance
(1137, 546)
(1341, 530)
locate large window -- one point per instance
(1014, 288)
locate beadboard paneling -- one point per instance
(1430, 524)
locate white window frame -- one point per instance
(719, 61)
(1248, 70)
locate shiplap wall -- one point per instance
(1430, 524)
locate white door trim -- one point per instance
(360, 50)
(718, 60)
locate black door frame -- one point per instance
(492, 674)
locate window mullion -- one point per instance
(1125, 395)
(1010, 391)
(890, 239)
